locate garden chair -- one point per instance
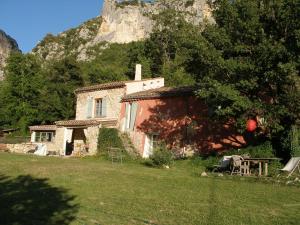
(236, 164)
(292, 166)
(224, 164)
(115, 155)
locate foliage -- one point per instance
(110, 65)
(68, 42)
(63, 77)
(263, 150)
(161, 156)
(294, 141)
(109, 137)
(20, 92)
(189, 3)
(257, 72)
(32, 94)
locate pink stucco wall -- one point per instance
(181, 121)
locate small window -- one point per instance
(44, 136)
(98, 107)
(154, 141)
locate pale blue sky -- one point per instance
(28, 21)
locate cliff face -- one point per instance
(7, 44)
(120, 22)
(124, 22)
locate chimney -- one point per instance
(138, 72)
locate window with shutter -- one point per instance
(98, 107)
(89, 108)
(131, 111)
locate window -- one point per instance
(151, 143)
(131, 112)
(154, 141)
(44, 136)
(98, 107)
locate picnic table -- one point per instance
(263, 164)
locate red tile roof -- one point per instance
(112, 85)
(43, 128)
(163, 92)
(77, 123)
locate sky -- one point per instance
(28, 21)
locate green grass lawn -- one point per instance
(46, 190)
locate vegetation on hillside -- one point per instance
(246, 65)
(68, 43)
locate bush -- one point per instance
(161, 157)
(109, 137)
(264, 150)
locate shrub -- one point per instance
(161, 157)
(264, 150)
(294, 141)
(109, 137)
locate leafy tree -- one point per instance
(110, 65)
(19, 95)
(171, 47)
(257, 68)
(63, 77)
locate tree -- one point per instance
(58, 98)
(19, 95)
(257, 73)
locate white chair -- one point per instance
(292, 165)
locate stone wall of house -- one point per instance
(3, 147)
(21, 148)
(79, 141)
(92, 139)
(113, 98)
(59, 140)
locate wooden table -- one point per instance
(263, 164)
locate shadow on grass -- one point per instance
(26, 200)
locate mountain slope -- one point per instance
(7, 44)
(120, 22)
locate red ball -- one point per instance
(251, 125)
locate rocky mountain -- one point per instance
(120, 22)
(7, 44)
(127, 21)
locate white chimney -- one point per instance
(138, 72)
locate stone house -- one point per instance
(147, 111)
(96, 106)
(174, 116)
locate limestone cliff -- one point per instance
(7, 44)
(120, 22)
(127, 21)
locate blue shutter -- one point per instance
(104, 107)
(133, 112)
(126, 115)
(89, 108)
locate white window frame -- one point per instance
(97, 108)
(47, 135)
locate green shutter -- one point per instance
(133, 112)
(89, 108)
(104, 107)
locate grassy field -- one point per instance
(37, 190)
